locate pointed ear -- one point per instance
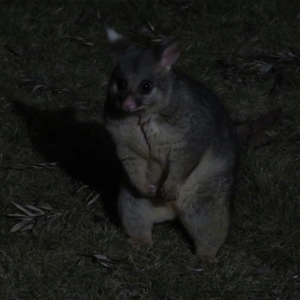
(168, 52)
(118, 44)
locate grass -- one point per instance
(54, 69)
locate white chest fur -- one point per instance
(149, 137)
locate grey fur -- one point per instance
(176, 144)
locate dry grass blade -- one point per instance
(80, 40)
(44, 165)
(29, 165)
(15, 166)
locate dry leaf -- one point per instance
(151, 26)
(37, 87)
(29, 219)
(46, 206)
(82, 188)
(266, 68)
(100, 256)
(20, 225)
(102, 259)
(35, 208)
(27, 227)
(23, 209)
(94, 199)
(17, 216)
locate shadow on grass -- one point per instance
(84, 150)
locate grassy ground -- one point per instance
(56, 156)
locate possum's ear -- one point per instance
(117, 42)
(167, 52)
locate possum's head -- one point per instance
(140, 83)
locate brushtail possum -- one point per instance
(175, 142)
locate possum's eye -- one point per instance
(121, 84)
(146, 87)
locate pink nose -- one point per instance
(129, 104)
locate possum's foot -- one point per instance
(139, 243)
(169, 190)
(204, 259)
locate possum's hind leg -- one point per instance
(139, 215)
(205, 214)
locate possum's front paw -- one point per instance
(148, 190)
(169, 190)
